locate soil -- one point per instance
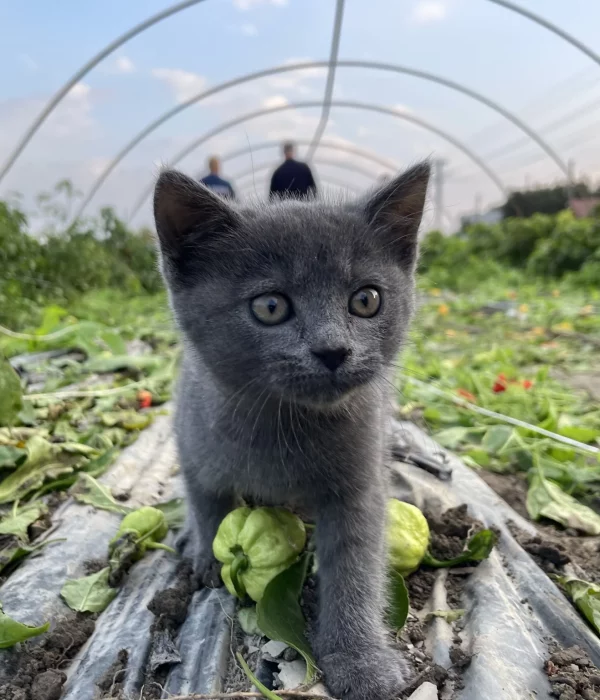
(37, 673)
(572, 675)
(449, 532)
(169, 608)
(111, 683)
(553, 547)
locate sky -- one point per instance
(547, 83)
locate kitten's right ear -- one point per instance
(186, 211)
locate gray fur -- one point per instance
(259, 416)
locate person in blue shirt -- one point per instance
(292, 179)
(215, 182)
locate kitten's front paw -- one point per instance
(371, 675)
(207, 571)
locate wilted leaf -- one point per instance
(586, 596)
(11, 456)
(478, 548)
(93, 493)
(174, 511)
(452, 437)
(10, 393)
(12, 632)
(19, 519)
(45, 460)
(546, 499)
(13, 552)
(448, 615)
(496, 438)
(398, 600)
(280, 616)
(90, 593)
(130, 420)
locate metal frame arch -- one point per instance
(538, 19)
(249, 77)
(173, 9)
(84, 70)
(320, 161)
(344, 148)
(335, 103)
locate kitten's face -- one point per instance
(301, 301)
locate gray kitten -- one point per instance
(292, 314)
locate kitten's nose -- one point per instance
(332, 358)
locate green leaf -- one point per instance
(452, 437)
(280, 615)
(254, 680)
(496, 438)
(478, 548)
(18, 520)
(248, 619)
(398, 601)
(585, 596)
(45, 460)
(546, 499)
(448, 615)
(90, 593)
(13, 552)
(174, 511)
(579, 434)
(11, 456)
(93, 493)
(12, 632)
(10, 393)
(130, 420)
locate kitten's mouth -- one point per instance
(324, 390)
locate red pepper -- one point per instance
(499, 384)
(144, 399)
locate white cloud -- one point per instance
(183, 84)
(123, 64)
(429, 11)
(249, 29)
(402, 109)
(275, 101)
(249, 4)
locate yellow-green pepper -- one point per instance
(254, 545)
(145, 528)
(407, 536)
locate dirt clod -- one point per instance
(48, 685)
(572, 675)
(169, 608)
(37, 672)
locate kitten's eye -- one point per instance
(271, 309)
(365, 302)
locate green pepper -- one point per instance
(256, 545)
(407, 536)
(144, 528)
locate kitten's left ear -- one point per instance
(395, 211)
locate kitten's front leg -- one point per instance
(206, 510)
(351, 645)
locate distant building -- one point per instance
(583, 208)
(492, 216)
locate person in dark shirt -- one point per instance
(215, 182)
(292, 179)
